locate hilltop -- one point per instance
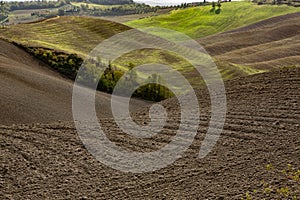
(69, 34)
(200, 21)
(256, 48)
(256, 156)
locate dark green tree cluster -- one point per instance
(216, 7)
(26, 5)
(294, 3)
(109, 79)
(69, 64)
(154, 91)
(106, 2)
(131, 81)
(127, 9)
(66, 64)
(184, 5)
(3, 12)
(93, 68)
(189, 5)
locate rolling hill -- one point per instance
(268, 44)
(200, 21)
(69, 34)
(33, 93)
(262, 128)
(42, 157)
(247, 50)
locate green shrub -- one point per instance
(65, 64)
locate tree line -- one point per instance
(106, 2)
(152, 91)
(69, 64)
(44, 4)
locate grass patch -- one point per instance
(200, 21)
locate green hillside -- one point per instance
(70, 34)
(80, 35)
(200, 21)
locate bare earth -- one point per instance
(265, 45)
(45, 159)
(32, 92)
(262, 126)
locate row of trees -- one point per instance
(126, 7)
(122, 10)
(69, 64)
(112, 75)
(26, 5)
(3, 13)
(66, 64)
(106, 2)
(44, 4)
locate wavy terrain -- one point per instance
(263, 46)
(259, 47)
(69, 34)
(31, 92)
(43, 157)
(262, 127)
(202, 21)
(271, 43)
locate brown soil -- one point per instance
(48, 161)
(31, 92)
(262, 126)
(265, 45)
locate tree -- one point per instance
(61, 12)
(218, 11)
(219, 4)
(3, 13)
(213, 5)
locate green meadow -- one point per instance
(201, 21)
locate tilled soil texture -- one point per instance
(31, 92)
(262, 126)
(265, 45)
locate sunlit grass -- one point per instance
(200, 21)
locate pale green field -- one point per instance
(81, 34)
(200, 21)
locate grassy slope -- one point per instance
(199, 22)
(80, 35)
(70, 34)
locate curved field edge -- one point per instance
(69, 34)
(79, 35)
(200, 21)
